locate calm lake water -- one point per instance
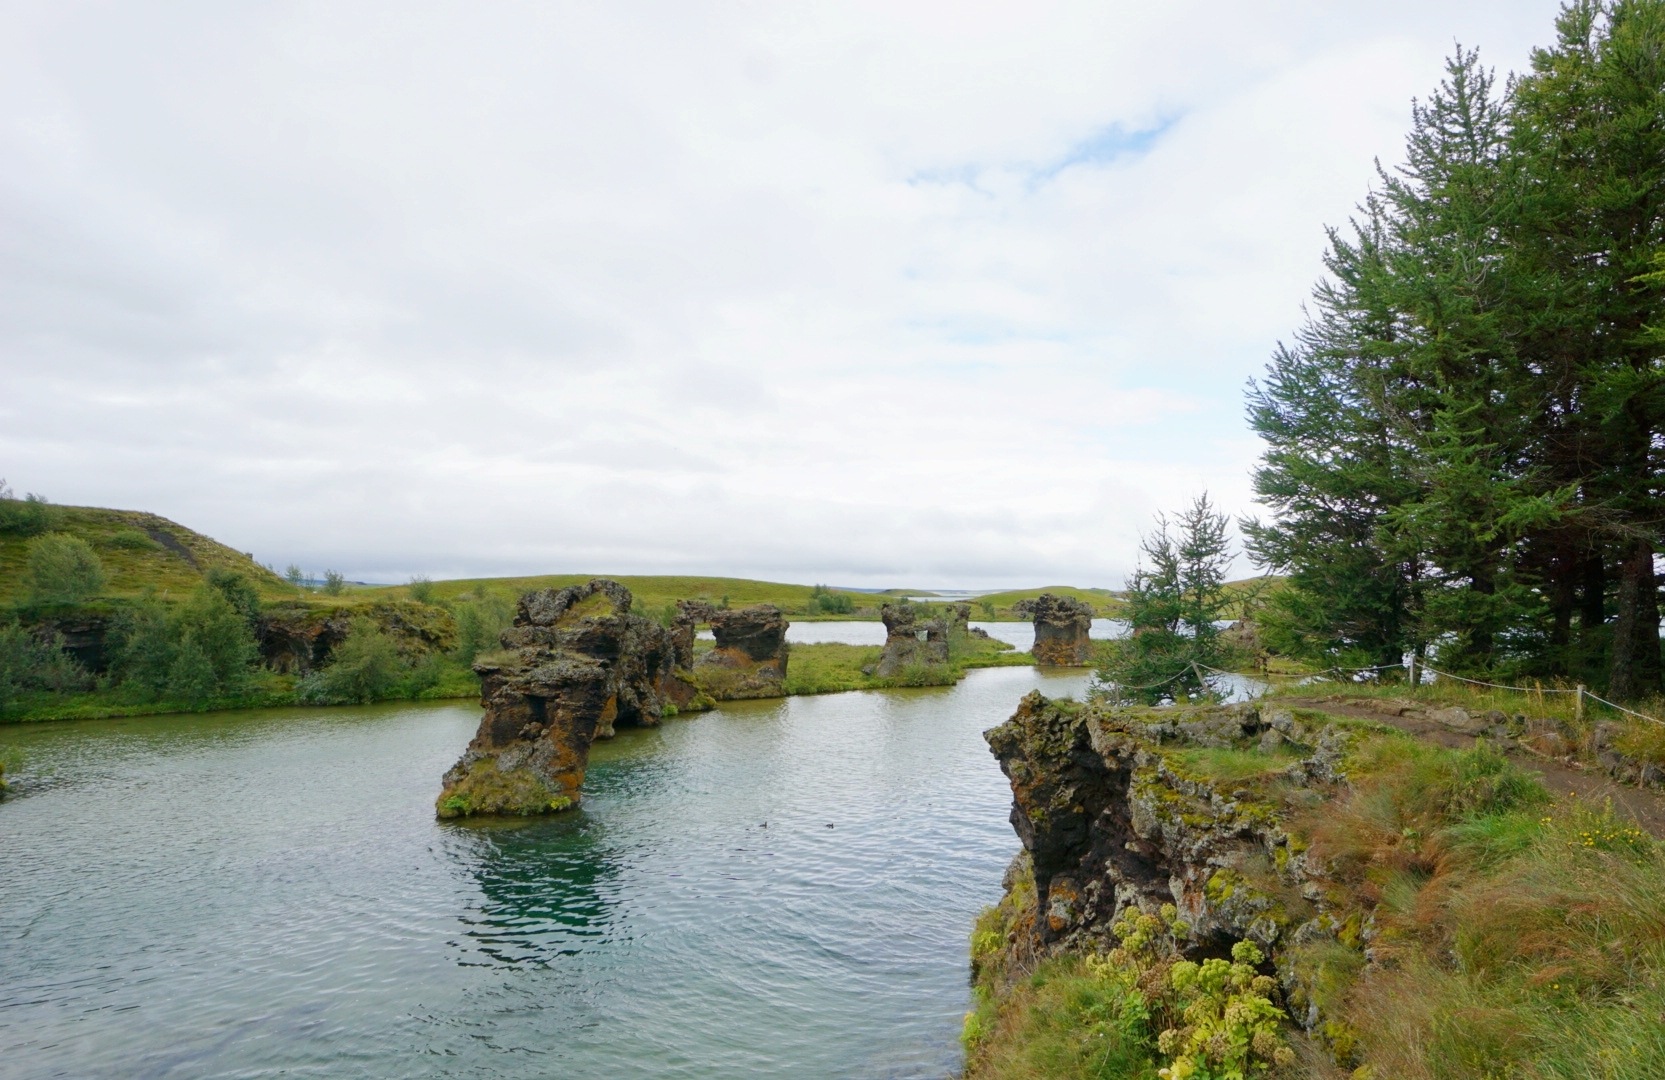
(267, 893)
(1020, 635)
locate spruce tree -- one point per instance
(1174, 600)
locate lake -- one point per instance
(1020, 635)
(779, 888)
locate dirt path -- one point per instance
(1646, 808)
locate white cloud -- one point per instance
(927, 293)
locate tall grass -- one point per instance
(1514, 935)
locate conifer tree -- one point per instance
(1175, 599)
(1464, 443)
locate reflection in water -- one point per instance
(776, 889)
(542, 886)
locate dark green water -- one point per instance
(268, 894)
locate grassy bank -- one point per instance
(1599, 727)
(1476, 927)
(812, 669)
(832, 668)
(998, 606)
(443, 679)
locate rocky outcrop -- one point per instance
(1062, 626)
(749, 660)
(1111, 818)
(84, 635)
(912, 641)
(574, 664)
(298, 638)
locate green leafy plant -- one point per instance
(1230, 1026)
(30, 661)
(201, 649)
(238, 591)
(31, 515)
(366, 666)
(62, 569)
(481, 620)
(131, 540)
(422, 589)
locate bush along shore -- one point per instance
(1260, 890)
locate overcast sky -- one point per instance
(872, 294)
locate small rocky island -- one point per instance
(575, 665)
(912, 641)
(1062, 628)
(749, 660)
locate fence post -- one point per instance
(1410, 675)
(1578, 704)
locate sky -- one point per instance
(875, 294)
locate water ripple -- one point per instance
(268, 894)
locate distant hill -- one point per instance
(141, 552)
(1104, 602)
(653, 592)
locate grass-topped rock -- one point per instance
(575, 663)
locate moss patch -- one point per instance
(487, 791)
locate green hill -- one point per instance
(141, 553)
(1104, 602)
(653, 592)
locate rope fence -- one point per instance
(1622, 709)
(1500, 686)
(1580, 691)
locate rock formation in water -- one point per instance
(749, 660)
(1062, 626)
(574, 664)
(911, 641)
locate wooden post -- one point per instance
(1410, 674)
(1578, 704)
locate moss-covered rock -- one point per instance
(1175, 810)
(574, 664)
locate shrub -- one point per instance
(238, 591)
(31, 515)
(195, 651)
(826, 602)
(481, 620)
(294, 575)
(422, 589)
(334, 582)
(31, 662)
(366, 666)
(62, 569)
(131, 540)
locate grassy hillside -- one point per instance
(653, 593)
(141, 552)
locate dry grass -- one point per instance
(1512, 936)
